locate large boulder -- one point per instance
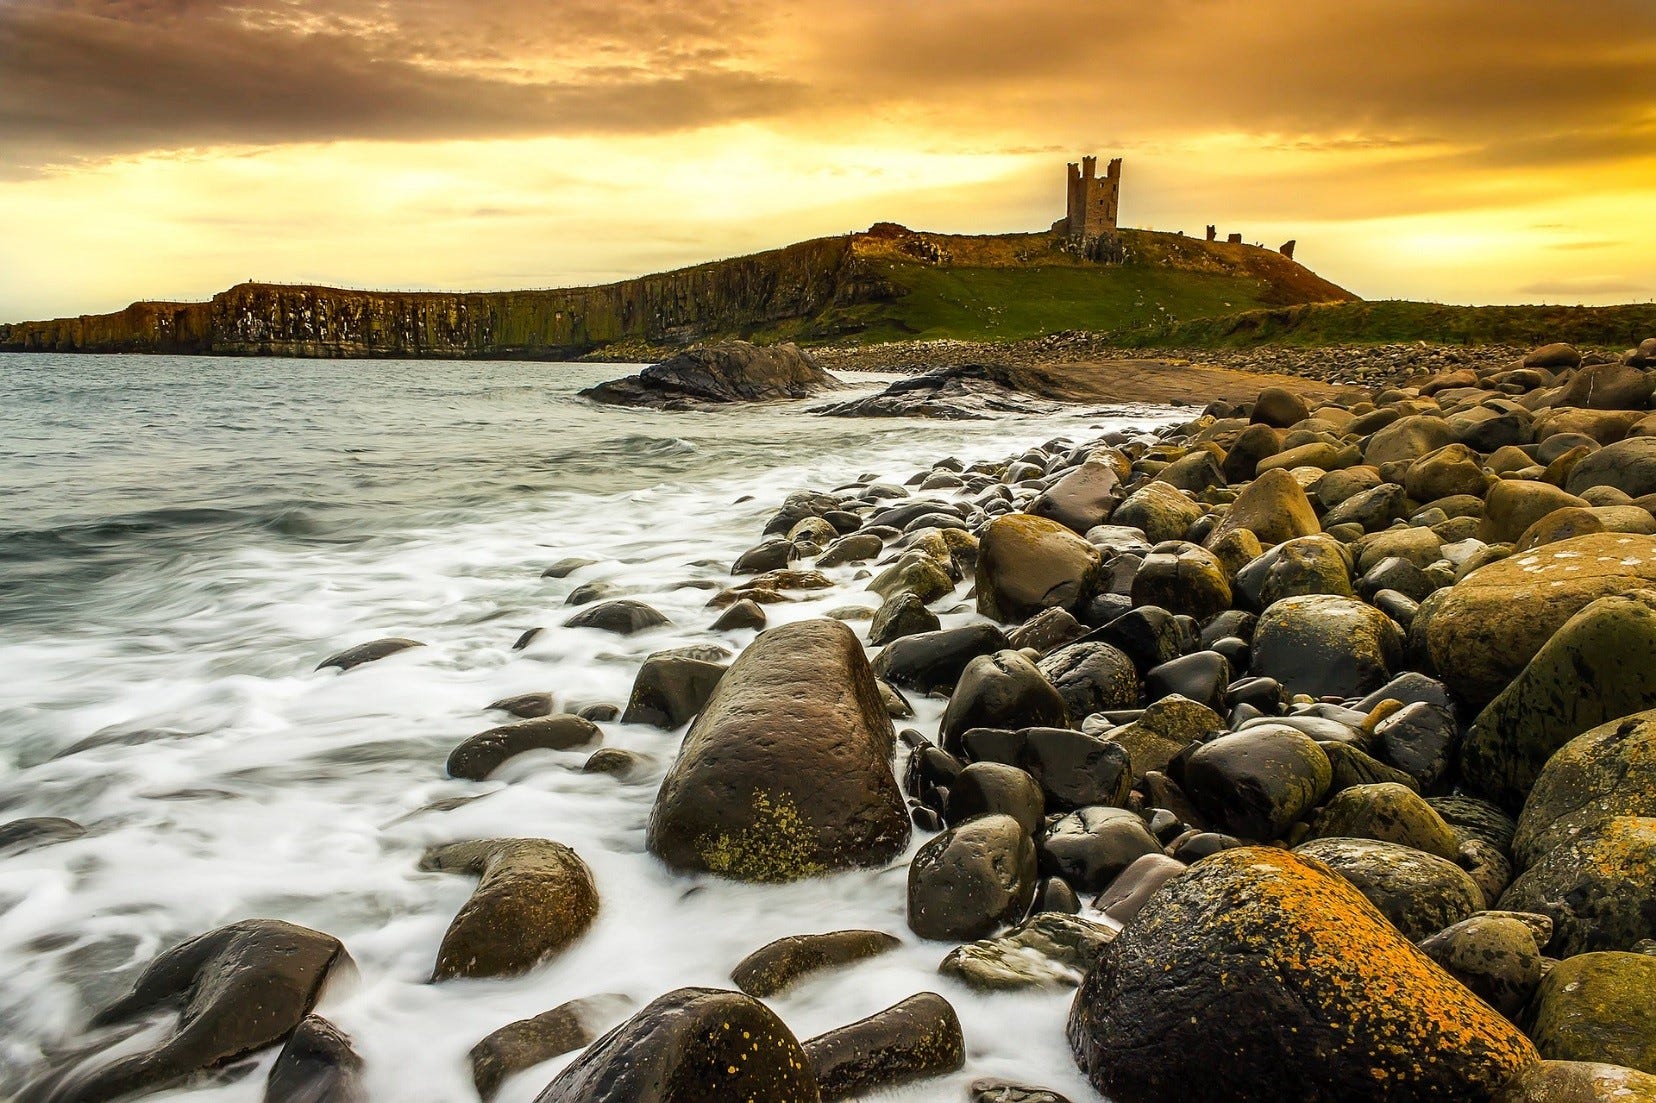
(731, 371)
(1595, 777)
(1513, 505)
(1027, 564)
(1259, 976)
(1185, 579)
(1326, 645)
(1003, 690)
(1390, 812)
(1091, 676)
(671, 687)
(1300, 567)
(534, 898)
(1494, 955)
(1481, 632)
(236, 990)
(787, 771)
(1083, 498)
(933, 662)
(1628, 465)
(1420, 893)
(1598, 888)
(1598, 1007)
(1159, 511)
(1273, 507)
(690, 1046)
(1258, 781)
(1599, 666)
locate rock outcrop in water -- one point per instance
(732, 371)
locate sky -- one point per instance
(1476, 151)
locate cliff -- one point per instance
(884, 284)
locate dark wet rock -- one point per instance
(1148, 635)
(1421, 740)
(588, 592)
(534, 898)
(1052, 949)
(1162, 730)
(1258, 781)
(692, 1045)
(1599, 666)
(17, 836)
(563, 568)
(671, 688)
(1373, 509)
(1046, 631)
(971, 879)
(730, 371)
(237, 990)
(1126, 896)
(771, 555)
(913, 1040)
(317, 1065)
(1074, 769)
(971, 392)
(486, 752)
(787, 771)
(903, 614)
(1084, 497)
(1090, 847)
(1599, 888)
(367, 653)
(1296, 568)
(1003, 690)
(1027, 564)
(1494, 955)
(994, 788)
(855, 547)
(616, 762)
(524, 706)
(1192, 848)
(1053, 894)
(1579, 1082)
(778, 966)
(1598, 1007)
(1386, 811)
(1326, 646)
(915, 573)
(1091, 677)
(1420, 893)
(1200, 676)
(743, 614)
(1258, 976)
(1481, 632)
(526, 637)
(599, 712)
(1478, 819)
(1599, 775)
(896, 705)
(528, 1042)
(1184, 579)
(933, 661)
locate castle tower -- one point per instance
(1092, 203)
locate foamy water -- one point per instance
(181, 551)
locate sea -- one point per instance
(183, 539)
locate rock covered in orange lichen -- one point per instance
(1260, 975)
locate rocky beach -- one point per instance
(1300, 747)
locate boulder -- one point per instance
(1579, 1082)
(1596, 777)
(1420, 893)
(236, 990)
(1126, 896)
(534, 898)
(933, 662)
(1388, 811)
(1074, 769)
(787, 771)
(914, 573)
(1083, 498)
(1598, 888)
(1159, 511)
(913, 1040)
(905, 614)
(1450, 470)
(1628, 465)
(316, 1065)
(1046, 632)
(1162, 730)
(1279, 408)
(367, 653)
(1090, 847)
(1598, 1007)
(853, 548)
(730, 371)
(690, 1046)
(971, 879)
(1326, 645)
(1608, 387)
(778, 966)
(622, 616)
(1408, 439)
(1481, 632)
(671, 688)
(1027, 564)
(1556, 355)
(1003, 690)
(1273, 507)
(526, 1043)
(1297, 568)
(486, 752)
(1185, 579)
(994, 788)
(17, 836)
(1494, 955)
(1258, 781)
(1600, 665)
(1259, 976)
(746, 613)
(1513, 505)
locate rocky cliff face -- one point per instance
(724, 297)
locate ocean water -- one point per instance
(183, 539)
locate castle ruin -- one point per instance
(1093, 202)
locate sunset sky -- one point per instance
(1458, 150)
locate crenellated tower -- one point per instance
(1093, 203)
